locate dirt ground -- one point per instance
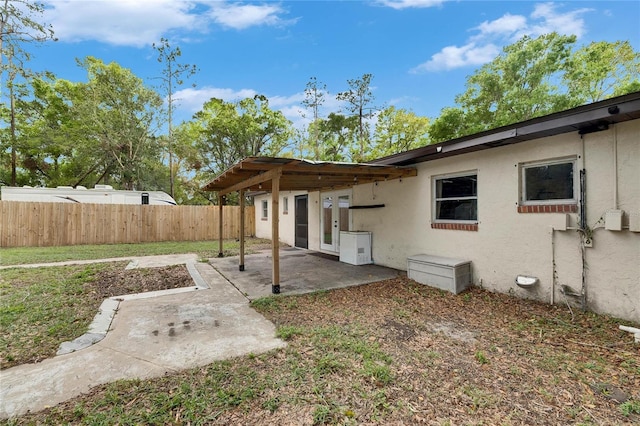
(475, 358)
(118, 281)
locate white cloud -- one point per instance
(406, 4)
(507, 24)
(455, 57)
(192, 99)
(120, 22)
(569, 23)
(242, 16)
(483, 46)
(139, 23)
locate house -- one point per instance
(547, 209)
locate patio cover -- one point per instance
(274, 174)
(255, 174)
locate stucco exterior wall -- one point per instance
(287, 220)
(508, 243)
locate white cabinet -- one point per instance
(355, 247)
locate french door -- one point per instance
(335, 216)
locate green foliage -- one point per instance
(359, 98)
(538, 76)
(630, 407)
(227, 132)
(398, 130)
(602, 69)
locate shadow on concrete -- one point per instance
(301, 271)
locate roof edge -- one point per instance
(584, 119)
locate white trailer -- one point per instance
(101, 194)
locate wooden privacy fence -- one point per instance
(25, 224)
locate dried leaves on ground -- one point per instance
(396, 352)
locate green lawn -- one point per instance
(204, 249)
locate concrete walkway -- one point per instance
(148, 337)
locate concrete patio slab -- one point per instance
(301, 271)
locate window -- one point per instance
(285, 205)
(265, 209)
(455, 198)
(550, 182)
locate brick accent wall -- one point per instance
(456, 226)
(549, 208)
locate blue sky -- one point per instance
(419, 51)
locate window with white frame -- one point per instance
(455, 197)
(548, 182)
(285, 205)
(265, 209)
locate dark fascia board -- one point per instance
(627, 107)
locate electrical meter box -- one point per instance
(613, 220)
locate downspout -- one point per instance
(553, 266)
(615, 167)
(586, 237)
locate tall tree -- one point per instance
(172, 77)
(359, 98)
(398, 130)
(339, 134)
(227, 132)
(600, 70)
(19, 26)
(314, 95)
(519, 84)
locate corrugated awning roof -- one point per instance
(255, 174)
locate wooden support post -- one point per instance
(275, 234)
(241, 196)
(220, 204)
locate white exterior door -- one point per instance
(335, 216)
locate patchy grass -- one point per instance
(204, 249)
(39, 310)
(379, 354)
(43, 307)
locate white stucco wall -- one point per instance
(287, 220)
(509, 243)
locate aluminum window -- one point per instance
(549, 182)
(455, 198)
(285, 205)
(265, 209)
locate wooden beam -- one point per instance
(255, 180)
(220, 204)
(241, 195)
(275, 232)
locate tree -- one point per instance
(398, 130)
(339, 134)
(227, 132)
(171, 78)
(313, 99)
(600, 69)
(359, 98)
(19, 25)
(450, 124)
(519, 84)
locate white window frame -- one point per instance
(265, 209)
(533, 164)
(285, 205)
(434, 199)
